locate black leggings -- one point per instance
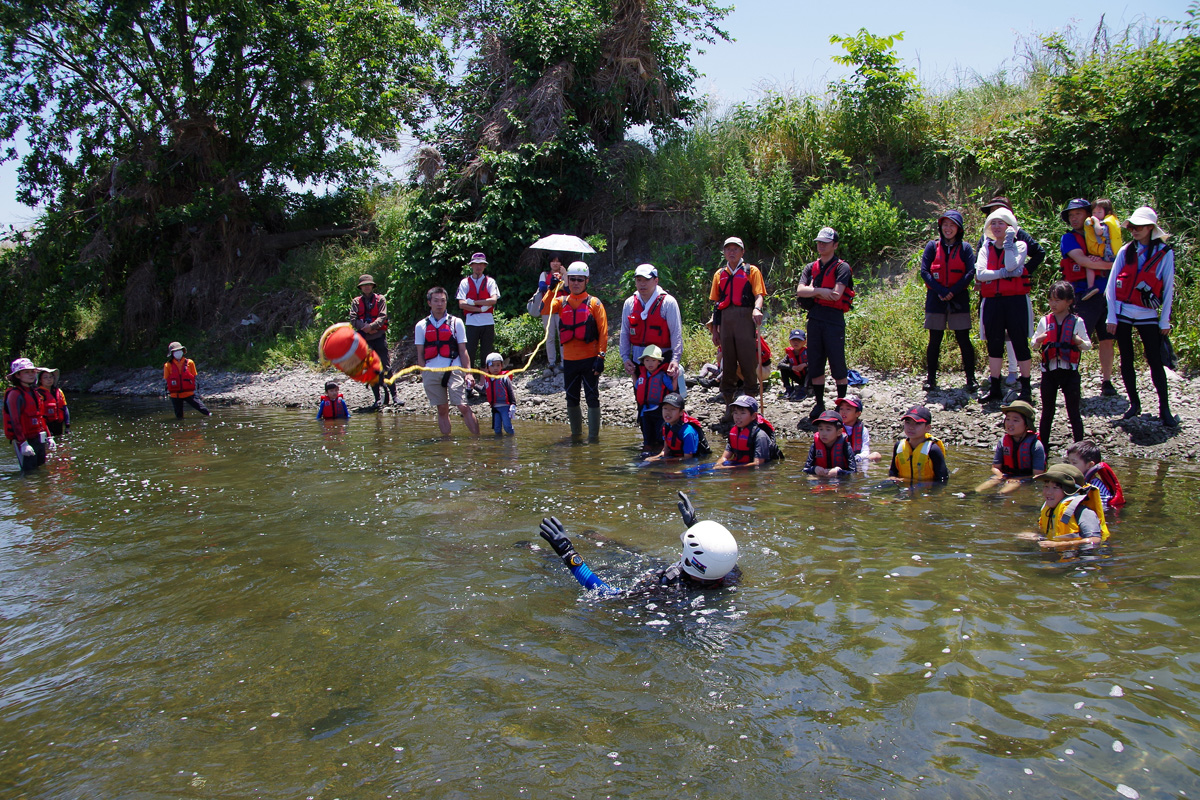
(1152, 345)
(193, 401)
(581, 373)
(933, 352)
(1007, 315)
(1069, 381)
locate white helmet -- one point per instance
(709, 550)
(578, 268)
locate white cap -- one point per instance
(578, 268)
(646, 271)
(494, 358)
(733, 240)
(827, 234)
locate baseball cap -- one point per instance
(830, 416)
(826, 234)
(673, 399)
(746, 401)
(918, 414)
(797, 334)
(646, 271)
(733, 240)
(850, 400)
(493, 358)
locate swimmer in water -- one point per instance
(708, 560)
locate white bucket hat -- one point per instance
(1147, 216)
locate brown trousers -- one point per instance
(739, 348)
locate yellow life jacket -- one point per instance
(916, 465)
(1063, 522)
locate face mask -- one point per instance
(177, 353)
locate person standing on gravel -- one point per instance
(1004, 284)
(948, 268)
(826, 290)
(477, 297)
(1035, 254)
(739, 292)
(650, 316)
(368, 316)
(1091, 306)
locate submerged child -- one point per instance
(651, 384)
(850, 409)
(1072, 518)
(751, 439)
(708, 561)
(58, 416)
(919, 456)
(1085, 457)
(682, 435)
(24, 423)
(831, 455)
(498, 388)
(1018, 454)
(332, 405)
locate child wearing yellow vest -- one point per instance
(919, 456)
(1072, 518)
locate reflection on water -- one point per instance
(262, 603)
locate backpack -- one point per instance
(774, 453)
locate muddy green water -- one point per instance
(260, 604)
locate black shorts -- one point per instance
(1094, 313)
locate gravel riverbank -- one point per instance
(959, 420)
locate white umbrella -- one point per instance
(563, 242)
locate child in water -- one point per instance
(919, 456)
(708, 561)
(1085, 457)
(58, 416)
(179, 373)
(1018, 454)
(850, 409)
(831, 455)
(751, 439)
(24, 424)
(651, 384)
(500, 394)
(682, 435)
(332, 405)
(1072, 517)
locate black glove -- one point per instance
(554, 279)
(598, 365)
(553, 532)
(686, 510)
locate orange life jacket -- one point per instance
(27, 420)
(948, 268)
(650, 388)
(651, 330)
(742, 440)
(439, 339)
(1059, 339)
(1017, 459)
(479, 294)
(1072, 272)
(181, 382)
(673, 439)
(1131, 276)
(577, 323)
(53, 403)
(1004, 287)
(369, 309)
(329, 408)
(827, 279)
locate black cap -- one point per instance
(831, 416)
(673, 399)
(918, 414)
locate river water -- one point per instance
(261, 604)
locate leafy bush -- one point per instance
(885, 330)
(517, 336)
(758, 208)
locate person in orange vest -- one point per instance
(179, 374)
(368, 316)
(583, 331)
(738, 293)
(24, 424)
(58, 416)
(477, 296)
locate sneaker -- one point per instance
(1107, 389)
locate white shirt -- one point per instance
(1130, 312)
(1062, 363)
(670, 311)
(493, 291)
(460, 335)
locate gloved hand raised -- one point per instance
(686, 510)
(555, 533)
(1010, 237)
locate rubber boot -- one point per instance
(375, 391)
(593, 423)
(575, 417)
(1026, 390)
(819, 406)
(994, 394)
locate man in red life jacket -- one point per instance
(441, 341)
(826, 290)
(650, 316)
(1093, 310)
(477, 297)
(368, 316)
(738, 293)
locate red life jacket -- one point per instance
(1109, 478)
(832, 456)
(764, 352)
(1072, 272)
(1005, 287)
(368, 309)
(741, 440)
(650, 388)
(948, 268)
(672, 435)
(735, 289)
(499, 391)
(827, 279)
(179, 382)
(478, 294)
(1131, 276)
(855, 435)
(577, 323)
(799, 360)
(651, 330)
(1017, 459)
(1058, 342)
(50, 405)
(329, 408)
(29, 421)
(439, 339)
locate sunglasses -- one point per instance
(574, 280)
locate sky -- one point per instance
(781, 44)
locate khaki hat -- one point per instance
(653, 351)
(176, 346)
(1023, 408)
(1065, 475)
(365, 279)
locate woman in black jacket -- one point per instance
(948, 268)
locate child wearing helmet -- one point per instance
(708, 560)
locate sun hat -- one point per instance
(1147, 216)
(1065, 475)
(176, 346)
(746, 401)
(20, 364)
(478, 258)
(918, 414)
(492, 358)
(830, 416)
(999, 213)
(1021, 407)
(53, 372)
(365, 279)
(851, 400)
(797, 334)
(826, 234)
(578, 269)
(653, 351)
(1078, 202)
(733, 240)
(646, 271)
(673, 399)
(996, 202)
